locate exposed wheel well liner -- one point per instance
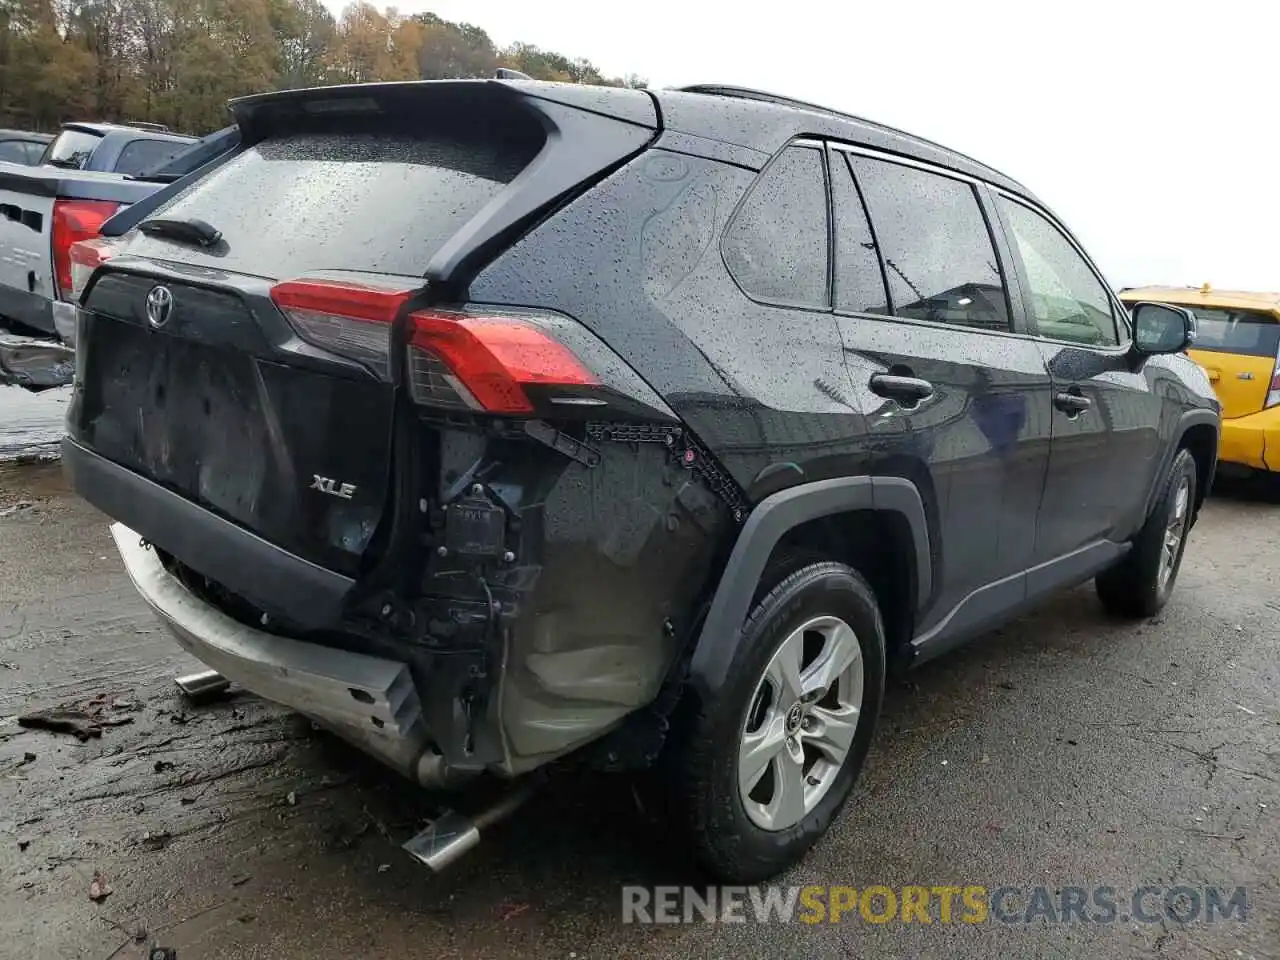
(787, 512)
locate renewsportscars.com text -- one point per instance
(971, 904)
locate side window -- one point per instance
(939, 258)
(35, 151)
(776, 246)
(140, 155)
(1067, 300)
(859, 282)
(13, 151)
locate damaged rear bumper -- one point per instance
(369, 701)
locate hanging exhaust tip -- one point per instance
(203, 685)
(451, 835)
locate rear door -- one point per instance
(978, 443)
(1238, 350)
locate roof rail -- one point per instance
(506, 73)
(143, 125)
(747, 93)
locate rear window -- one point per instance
(72, 148)
(140, 155)
(1246, 332)
(360, 201)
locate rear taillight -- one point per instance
(464, 359)
(1273, 389)
(73, 221)
(85, 257)
(488, 361)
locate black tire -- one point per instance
(726, 843)
(1134, 588)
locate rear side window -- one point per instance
(72, 148)
(939, 258)
(1067, 300)
(776, 246)
(382, 203)
(1248, 332)
(140, 155)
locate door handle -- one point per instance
(907, 390)
(1072, 404)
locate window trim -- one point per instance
(808, 144)
(976, 187)
(1119, 314)
(871, 227)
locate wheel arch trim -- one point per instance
(720, 638)
(1191, 418)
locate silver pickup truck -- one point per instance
(47, 208)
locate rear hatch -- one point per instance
(1239, 350)
(205, 364)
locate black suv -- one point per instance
(498, 425)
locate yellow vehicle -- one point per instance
(1238, 345)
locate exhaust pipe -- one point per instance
(206, 683)
(451, 835)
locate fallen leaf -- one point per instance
(99, 889)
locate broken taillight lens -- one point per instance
(460, 359)
(74, 221)
(85, 256)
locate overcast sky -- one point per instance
(1151, 128)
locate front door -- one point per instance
(1106, 418)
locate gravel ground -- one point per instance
(1063, 750)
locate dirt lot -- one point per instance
(1066, 749)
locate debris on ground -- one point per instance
(59, 720)
(163, 765)
(8, 665)
(27, 757)
(99, 889)
(15, 507)
(23, 844)
(156, 841)
(83, 720)
(510, 910)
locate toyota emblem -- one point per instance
(159, 306)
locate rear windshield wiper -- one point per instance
(154, 177)
(184, 231)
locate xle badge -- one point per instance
(332, 487)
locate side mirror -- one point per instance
(1161, 328)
